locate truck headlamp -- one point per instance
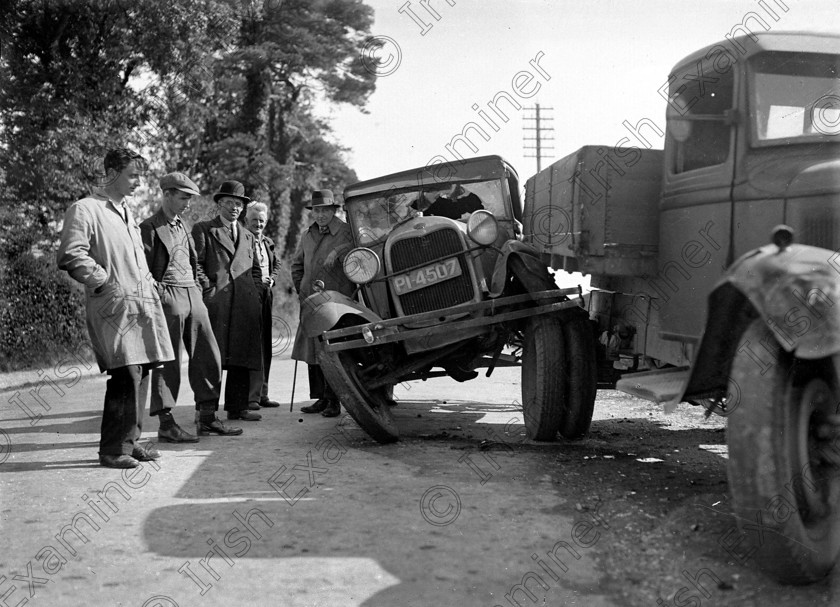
(483, 228)
(361, 265)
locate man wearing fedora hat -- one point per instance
(319, 257)
(226, 267)
(170, 252)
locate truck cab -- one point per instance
(693, 302)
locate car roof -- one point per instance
(470, 169)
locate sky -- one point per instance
(598, 63)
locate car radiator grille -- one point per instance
(410, 252)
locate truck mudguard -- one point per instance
(529, 255)
(321, 311)
(793, 289)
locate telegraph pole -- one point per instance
(538, 123)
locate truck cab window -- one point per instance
(702, 91)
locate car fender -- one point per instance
(323, 310)
(793, 290)
(529, 255)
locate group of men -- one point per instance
(153, 286)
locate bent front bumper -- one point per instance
(473, 318)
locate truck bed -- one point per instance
(596, 213)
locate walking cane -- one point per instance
(294, 379)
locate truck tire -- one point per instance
(582, 378)
(368, 407)
(543, 376)
(784, 459)
(543, 360)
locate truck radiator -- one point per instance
(409, 252)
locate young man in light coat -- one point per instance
(101, 248)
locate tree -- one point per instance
(223, 89)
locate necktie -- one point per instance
(124, 212)
(324, 229)
(233, 232)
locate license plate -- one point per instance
(424, 277)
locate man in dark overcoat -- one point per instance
(256, 218)
(172, 259)
(319, 257)
(226, 266)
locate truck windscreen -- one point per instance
(794, 97)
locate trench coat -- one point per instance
(226, 275)
(308, 266)
(102, 251)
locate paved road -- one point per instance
(307, 511)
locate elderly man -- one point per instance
(256, 217)
(170, 252)
(102, 249)
(319, 258)
(226, 264)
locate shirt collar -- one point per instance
(100, 192)
(225, 222)
(315, 227)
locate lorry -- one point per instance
(715, 273)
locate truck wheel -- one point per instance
(582, 379)
(368, 407)
(543, 377)
(784, 459)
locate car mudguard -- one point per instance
(321, 311)
(529, 255)
(793, 289)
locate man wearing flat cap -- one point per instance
(319, 257)
(226, 271)
(171, 255)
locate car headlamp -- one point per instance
(483, 228)
(361, 265)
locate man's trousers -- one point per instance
(259, 377)
(125, 402)
(188, 321)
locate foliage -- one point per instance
(219, 89)
(41, 313)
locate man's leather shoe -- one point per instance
(145, 453)
(246, 416)
(267, 402)
(216, 427)
(253, 406)
(317, 407)
(176, 434)
(334, 409)
(117, 461)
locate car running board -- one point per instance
(663, 386)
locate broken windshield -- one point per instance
(373, 218)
